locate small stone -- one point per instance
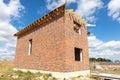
(1, 75)
(15, 76)
(39, 78)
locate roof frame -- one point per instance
(42, 20)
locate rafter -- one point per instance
(42, 20)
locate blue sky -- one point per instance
(105, 14)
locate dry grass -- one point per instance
(7, 73)
(6, 69)
(110, 70)
(6, 66)
(82, 78)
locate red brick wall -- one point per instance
(53, 47)
(72, 40)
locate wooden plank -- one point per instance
(111, 77)
(43, 19)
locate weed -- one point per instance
(54, 78)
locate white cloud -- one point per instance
(90, 25)
(87, 8)
(98, 48)
(10, 10)
(114, 9)
(7, 40)
(51, 4)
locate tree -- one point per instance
(100, 59)
(92, 59)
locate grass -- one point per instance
(109, 70)
(6, 66)
(27, 76)
(7, 73)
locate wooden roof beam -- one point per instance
(45, 18)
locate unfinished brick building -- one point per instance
(56, 43)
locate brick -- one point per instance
(53, 47)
